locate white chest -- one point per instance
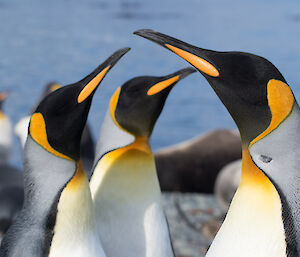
(75, 233)
(129, 214)
(253, 228)
(5, 139)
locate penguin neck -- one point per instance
(282, 146)
(251, 175)
(116, 146)
(5, 138)
(21, 129)
(46, 173)
(45, 176)
(74, 232)
(253, 224)
(127, 197)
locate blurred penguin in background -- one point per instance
(5, 132)
(11, 179)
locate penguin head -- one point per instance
(58, 121)
(3, 96)
(251, 88)
(136, 105)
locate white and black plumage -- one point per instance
(124, 183)
(57, 218)
(264, 217)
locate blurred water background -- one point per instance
(63, 40)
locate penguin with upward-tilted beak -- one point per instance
(57, 217)
(124, 184)
(264, 217)
(87, 152)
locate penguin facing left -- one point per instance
(87, 142)
(57, 216)
(124, 184)
(264, 216)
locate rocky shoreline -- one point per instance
(193, 221)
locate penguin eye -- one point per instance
(265, 159)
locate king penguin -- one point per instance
(57, 218)
(87, 152)
(264, 217)
(5, 132)
(11, 178)
(124, 183)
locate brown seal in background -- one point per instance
(193, 165)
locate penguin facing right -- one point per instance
(57, 218)
(124, 183)
(87, 141)
(264, 217)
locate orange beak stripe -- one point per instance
(196, 61)
(162, 85)
(90, 87)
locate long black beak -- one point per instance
(170, 80)
(198, 57)
(183, 73)
(90, 83)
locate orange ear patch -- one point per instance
(162, 85)
(90, 87)
(38, 132)
(281, 101)
(196, 61)
(113, 105)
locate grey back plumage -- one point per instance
(44, 178)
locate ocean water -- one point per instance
(63, 40)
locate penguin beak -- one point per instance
(92, 81)
(196, 56)
(170, 80)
